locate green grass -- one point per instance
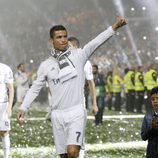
(39, 134)
(133, 153)
(90, 154)
(119, 153)
(115, 130)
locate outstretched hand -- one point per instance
(121, 21)
(94, 109)
(20, 117)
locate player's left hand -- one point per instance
(20, 117)
(94, 109)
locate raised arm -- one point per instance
(102, 37)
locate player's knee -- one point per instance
(73, 151)
(3, 133)
(73, 154)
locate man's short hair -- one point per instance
(56, 28)
(126, 70)
(74, 39)
(96, 66)
(154, 91)
(19, 65)
(139, 67)
(109, 73)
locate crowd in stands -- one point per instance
(24, 32)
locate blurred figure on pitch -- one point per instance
(130, 89)
(117, 85)
(100, 93)
(149, 129)
(139, 88)
(22, 83)
(150, 81)
(64, 71)
(109, 92)
(6, 101)
(125, 81)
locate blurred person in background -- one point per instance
(149, 129)
(150, 81)
(6, 101)
(117, 85)
(100, 93)
(130, 89)
(139, 88)
(109, 89)
(64, 71)
(125, 81)
(22, 83)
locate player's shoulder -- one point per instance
(88, 64)
(5, 67)
(76, 50)
(46, 61)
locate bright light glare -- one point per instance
(148, 53)
(139, 51)
(31, 60)
(156, 28)
(156, 58)
(143, 8)
(144, 37)
(132, 9)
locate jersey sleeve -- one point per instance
(88, 71)
(90, 47)
(8, 76)
(35, 89)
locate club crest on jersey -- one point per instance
(56, 81)
(6, 123)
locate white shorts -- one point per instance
(21, 94)
(4, 120)
(68, 127)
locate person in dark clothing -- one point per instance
(126, 88)
(139, 89)
(149, 129)
(109, 89)
(130, 89)
(100, 94)
(150, 81)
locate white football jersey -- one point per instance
(6, 76)
(88, 71)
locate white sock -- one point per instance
(6, 146)
(81, 153)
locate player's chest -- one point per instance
(52, 73)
